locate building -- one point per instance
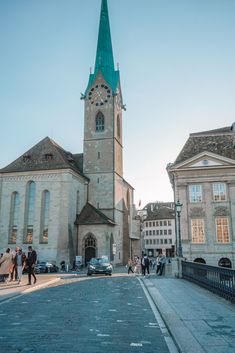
(159, 229)
(203, 180)
(67, 204)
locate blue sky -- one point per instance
(177, 65)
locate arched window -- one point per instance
(29, 214)
(225, 262)
(200, 260)
(14, 218)
(99, 122)
(118, 126)
(45, 216)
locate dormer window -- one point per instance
(26, 158)
(48, 156)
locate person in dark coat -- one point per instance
(30, 263)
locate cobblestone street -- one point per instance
(94, 315)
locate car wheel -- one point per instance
(88, 274)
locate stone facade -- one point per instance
(203, 179)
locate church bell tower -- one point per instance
(102, 162)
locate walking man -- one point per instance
(31, 262)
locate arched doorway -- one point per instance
(225, 262)
(200, 260)
(90, 247)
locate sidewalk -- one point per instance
(198, 320)
(12, 289)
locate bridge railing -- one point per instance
(219, 280)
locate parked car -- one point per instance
(45, 267)
(99, 265)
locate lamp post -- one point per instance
(178, 207)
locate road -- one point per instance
(82, 315)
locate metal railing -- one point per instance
(219, 280)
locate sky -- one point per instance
(177, 67)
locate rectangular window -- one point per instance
(160, 223)
(153, 224)
(147, 242)
(165, 223)
(195, 193)
(150, 224)
(222, 230)
(165, 231)
(157, 241)
(219, 192)
(170, 241)
(13, 235)
(150, 232)
(147, 232)
(165, 241)
(150, 241)
(169, 232)
(157, 224)
(198, 234)
(161, 241)
(154, 232)
(169, 223)
(146, 224)
(160, 231)
(157, 232)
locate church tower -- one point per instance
(103, 162)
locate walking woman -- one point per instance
(6, 265)
(20, 261)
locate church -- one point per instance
(76, 204)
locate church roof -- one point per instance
(46, 155)
(219, 141)
(104, 54)
(91, 215)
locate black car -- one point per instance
(45, 267)
(99, 265)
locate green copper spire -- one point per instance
(104, 54)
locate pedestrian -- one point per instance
(162, 264)
(142, 265)
(20, 261)
(30, 263)
(6, 265)
(158, 264)
(129, 266)
(14, 274)
(137, 265)
(146, 263)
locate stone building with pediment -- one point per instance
(66, 204)
(203, 180)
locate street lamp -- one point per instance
(178, 208)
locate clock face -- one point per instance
(99, 95)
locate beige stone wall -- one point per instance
(63, 187)
(211, 250)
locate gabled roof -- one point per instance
(161, 213)
(104, 62)
(46, 155)
(91, 215)
(219, 141)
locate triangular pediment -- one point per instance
(206, 160)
